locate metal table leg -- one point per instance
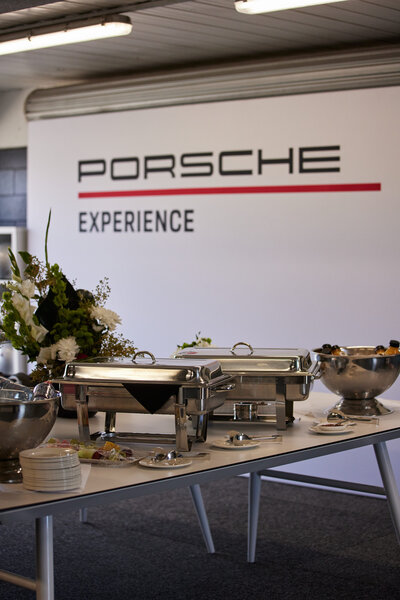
(83, 515)
(44, 582)
(389, 482)
(44, 559)
(20, 580)
(202, 515)
(253, 510)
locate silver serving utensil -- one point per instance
(173, 454)
(338, 415)
(166, 456)
(236, 436)
(159, 457)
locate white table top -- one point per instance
(297, 443)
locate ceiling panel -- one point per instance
(171, 34)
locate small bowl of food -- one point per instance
(333, 427)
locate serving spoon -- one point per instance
(172, 454)
(236, 436)
(161, 456)
(338, 415)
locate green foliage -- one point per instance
(198, 341)
(102, 292)
(42, 310)
(116, 345)
(14, 264)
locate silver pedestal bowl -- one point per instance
(23, 425)
(358, 376)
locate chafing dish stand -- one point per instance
(265, 379)
(184, 388)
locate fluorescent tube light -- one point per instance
(253, 7)
(70, 33)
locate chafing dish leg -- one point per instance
(280, 404)
(109, 422)
(182, 440)
(202, 516)
(253, 510)
(83, 414)
(201, 428)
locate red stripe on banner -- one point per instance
(261, 189)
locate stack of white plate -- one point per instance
(50, 469)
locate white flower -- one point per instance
(24, 307)
(107, 318)
(67, 348)
(26, 311)
(16, 278)
(203, 344)
(38, 332)
(27, 288)
(46, 354)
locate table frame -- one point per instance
(43, 512)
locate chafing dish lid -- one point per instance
(191, 371)
(244, 359)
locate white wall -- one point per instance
(13, 124)
(274, 269)
(281, 269)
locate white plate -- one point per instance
(333, 431)
(56, 485)
(227, 445)
(174, 463)
(59, 477)
(104, 462)
(47, 453)
(44, 463)
(35, 488)
(53, 474)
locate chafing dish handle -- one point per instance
(242, 344)
(144, 353)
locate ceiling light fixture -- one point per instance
(67, 33)
(253, 7)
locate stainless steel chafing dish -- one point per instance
(267, 381)
(184, 388)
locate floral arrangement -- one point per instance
(50, 322)
(198, 342)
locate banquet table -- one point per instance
(104, 485)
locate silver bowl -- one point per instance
(23, 425)
(358, 377)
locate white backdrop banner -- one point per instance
(271, 221)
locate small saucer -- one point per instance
(330, 429)
(173, 463)
(227, 445)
